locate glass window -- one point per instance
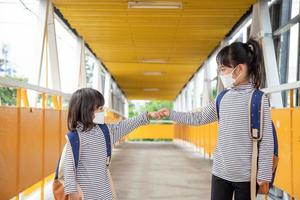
(90, 65)
(295, 8)
(293, 47)
(293, 53)
(18, 58)
(68, 49)
(18, 25)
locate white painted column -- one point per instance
(220, 86)
(177, 103)
(197, 91)
(41, 36)
(207, 85)
(126, 108)
(183, 101)
(186, 107)
(107, 90)
(180, 108)
(81, 63)
(188, 98)
(97, 78)
(53, 53)
(261, 29)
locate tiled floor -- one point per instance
(155, 170)
(159, 171)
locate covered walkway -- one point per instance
(160, 171)
(146, 50)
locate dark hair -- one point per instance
(244, 53)
(82, 105)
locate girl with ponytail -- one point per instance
(245, 59)
(240, 70)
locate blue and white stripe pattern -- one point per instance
(92, 174)
(232, 159)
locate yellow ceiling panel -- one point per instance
(152, 53)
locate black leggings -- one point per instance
(223, 190)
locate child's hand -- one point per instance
(75, 196)
(153, 115)
(164, 112)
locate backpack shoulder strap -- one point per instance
(276, 149)
(255, 125)
(256, 114)
(74, 139)
(218, 101)
(106, 134)
(58, 171)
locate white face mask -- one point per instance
(227, 79)
(99, 118)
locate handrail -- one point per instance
(9, 82)
(282, 87)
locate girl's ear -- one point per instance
(242, 69)
(236, 71)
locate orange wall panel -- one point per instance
(282, 122)
(207, 139)
(64, 128)
(214, 133)
(296, 152)
(54, 126)
(52, 140)
(30, 147)
(8, 152)
(153, 131)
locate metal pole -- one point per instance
(284, 47)
(207, 86)
(82, 70)
(107, 90)
(197, 94)
(97, 79)
(184, 100)
(53, 53)
(189, 98)
(41, 34)
(261, 30)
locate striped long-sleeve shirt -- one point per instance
(92, 174)
(232, 158)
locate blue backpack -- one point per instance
(74, 139)
(256, 115)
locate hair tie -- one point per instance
(251, 47)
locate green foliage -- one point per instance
(8, 95)
(137, 108)
(214, 93)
